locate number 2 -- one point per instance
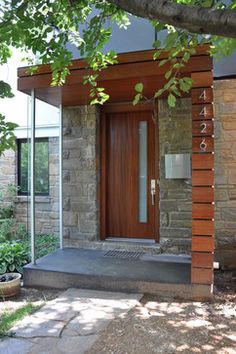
(203, 127)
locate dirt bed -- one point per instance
(159, 325)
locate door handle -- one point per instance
(153, 190)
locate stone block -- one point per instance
(181, 216)
(229, 214)
(168, 205)
(175, 232)
(184, 205)
(181, 223)
(87, 227)
(66, 204)
(164, 219)
(66, 176)
(221, 195)
(70, 218)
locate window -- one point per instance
(41, 166)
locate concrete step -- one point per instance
(135, 245)
(94, 269)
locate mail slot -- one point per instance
(177, 166)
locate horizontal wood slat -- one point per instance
(202, 79)
(203, 227)
(202, 161)
(130, 57)
(202, 178)
(202, 111)
(204, 144)
(202, 95)
(202, 244)
(202, 260)
(139, 70)
(201, 275)
(202, 211)
(203, 194)
(203, 128)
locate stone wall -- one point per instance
(80, 214)
(225, 171)
(46, 207)
(175, 194)
(8, 168)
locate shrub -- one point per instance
(13, 256)
(11, 230)
(6, 212)
(45, 244)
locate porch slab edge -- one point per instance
(59, 280)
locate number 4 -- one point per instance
(203, 95)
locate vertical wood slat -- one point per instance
(202, 178)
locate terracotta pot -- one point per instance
(11, 287)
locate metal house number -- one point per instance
(203, 112)
(203, 127)
(203, 95)
(203, 145)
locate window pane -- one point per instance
(143, 171)
(41, 167)
(23, 168)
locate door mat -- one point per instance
(123, 254)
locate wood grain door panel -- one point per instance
(120, 175)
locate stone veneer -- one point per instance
(175, 194)
(80, 215)
(225, 171)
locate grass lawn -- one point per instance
(9, 318)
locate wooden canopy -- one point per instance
(118, 80)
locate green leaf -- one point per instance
(139, 87)
(186, 57)
(156, 54)
(3, 268)
(137, 98)
(163, 62)
(168, 74)
(171, 100)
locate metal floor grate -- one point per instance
(123, 254)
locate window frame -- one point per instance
(19, 144)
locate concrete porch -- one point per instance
(166, 275)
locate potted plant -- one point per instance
(13, 256)
(9, 284)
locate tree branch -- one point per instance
(191, 18)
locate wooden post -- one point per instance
(202, 178)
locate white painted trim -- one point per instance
(61, 178)
(32, 177)
(42, 131)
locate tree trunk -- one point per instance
(190, 18)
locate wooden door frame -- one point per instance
(115, 108)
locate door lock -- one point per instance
(153, 190)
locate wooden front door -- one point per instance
(129, 194)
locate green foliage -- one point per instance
(45, 244)
(41, 166)
(7, 137)
(11, 230)
(44, 28)
(8, 319)
(7, 195)
(5, 90)
(13, 256)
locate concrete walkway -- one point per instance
(68, 324)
